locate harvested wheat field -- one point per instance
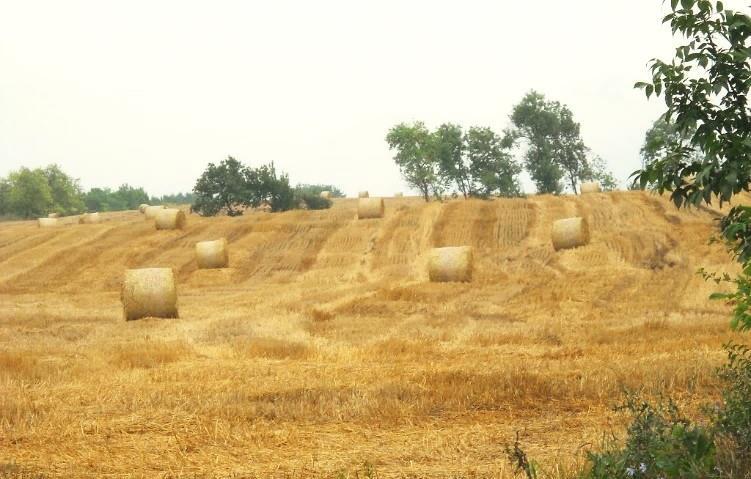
(324, 350)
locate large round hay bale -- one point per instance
(48, 222)
(570, 233)
(592, 187)
(452, 263)
(151, 211)
(212, 254)
(363, 194)
(170, 219)
(326, 195)
(149, 292)
(142, 207)
(53, 215)
(370, 208)
(89, 218)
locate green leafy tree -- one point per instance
(414, 156)
(67, 197)
(267, 186)
(223, 186)
(492, 169)
(316, 190)
(30, 195)
(661, 139)
(447, 150)
(597, 170)
(4, 197)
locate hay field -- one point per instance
(323, 347)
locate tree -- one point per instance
(413, 145)
(67, 197)
(706, 90)
(447, 150)
(30, 194)
(570, 152)
(660, 139)
(491, 167)
(535, 121)
(596, 170)
(266, 186)
(318, 189)
(223, 186)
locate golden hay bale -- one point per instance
(89, 218)
(326, 195)
(399, 195)
(151, 211)
(212, 254)
(149, 292)
(170, 219)
(142, 207)
(453, 263)
(53, 215)
(363, 194)
(48, 222)
(593, 187)
(370, 208)
(570, 233)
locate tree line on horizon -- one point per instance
(481, 163)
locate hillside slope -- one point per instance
(324, 346)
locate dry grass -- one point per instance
(325, 351)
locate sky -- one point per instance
(149, 92)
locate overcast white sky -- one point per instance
(149, 92)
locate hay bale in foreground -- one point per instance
(48, 222)
(149, 292)
(592, 187)
(53, 215)
(452, 263)
(326, 195)
(170, 219)
(89, 218)
(151, 211)
(570, 233)
(369, 208)
(363, 194)
(212, 254)
(142, 207)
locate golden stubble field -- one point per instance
(324, 347)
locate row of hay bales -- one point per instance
(363, 194)
(54, 219)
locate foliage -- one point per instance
(318, 189)
(232, 186)
(29, 194)
(596, 170)
(555, 147)
(65, 190)
(414, 157)
(126, 197)
(660, 139)
(174, 199)
(476, 163)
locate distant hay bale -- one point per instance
(399, 195)
(570, 233)
(142, 207)
(363, 194)
(151, 211)
(170, 219)
(48, 222)
(212, 254)
(89, 218)
(149, 292)
(53, 215)
(452, 263)
(326, 195)
(370, 208)
(592, 187)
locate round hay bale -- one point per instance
(149, 292)
(326, 195)
(370, 208)
(142, 207)
(453, 263)
(570, 233)
(48, 222)
(89, 218)
(399, 195)
(363, 194)
(53, 215)
(592, 187)
(151, 211)
(212, 254)
(170, 219)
